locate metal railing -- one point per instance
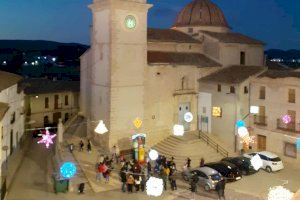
(260, 120)
(213, 144)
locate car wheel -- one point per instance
(268, 169)
(206, 188)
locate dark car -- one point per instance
(242, 163)
(227, 169)
(37, 133)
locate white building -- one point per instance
(11, 114)
(277, 93)
(47, 101)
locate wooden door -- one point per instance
(261, 142)
(56, 117)
(292, 114)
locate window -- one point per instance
(13, 118)
(292, 96)
(66, 116)
(219, 88)
(46, 102)
(190, 30)
(46, 120)
(246, 90)
(66, 100)
(262, 92)
(243, 58)
(232, 89)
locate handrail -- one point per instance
(213, 144)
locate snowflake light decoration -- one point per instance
(178, 130)
(256, 162)
(153, 154)
(47, 138)
(243, 132)
(154, 186)
(68, 170)
(286, 119)
(279, 193)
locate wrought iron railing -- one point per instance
(260, 120)
(291, 126)
(213, 144)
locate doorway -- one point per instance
(184, 108)
(56, 117)
(56, 99)
(261, 142)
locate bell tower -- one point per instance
(118, 61)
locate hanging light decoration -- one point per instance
(279, 193)
(286, 119)
(178, 130)
(101, 128)
(154, 186)
(68, 170)
(256, 162)
(153, 154)
(243, 132)
(47, 138)
(240, 123)
(188, 117)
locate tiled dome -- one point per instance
(201, 13)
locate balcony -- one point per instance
(260, 120)
(291, 127)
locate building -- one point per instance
(47, 101)
(277, 93)
(11, 115)
(134, 71)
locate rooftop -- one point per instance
(230, 37)
(8, 79)
(280, 74)
(169, 35)
(176, 58)
(233, 74)
(33, 86)
(3, 108)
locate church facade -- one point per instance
(133, 71)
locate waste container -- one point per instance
(60, 185)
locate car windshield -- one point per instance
(277, 159)
(215, 177)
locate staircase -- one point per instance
(188, 146)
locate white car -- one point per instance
(271, 162)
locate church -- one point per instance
(134, 71)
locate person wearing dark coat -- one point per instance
(123, 178)
(194, 182)
(220, 188)
(202, 162)
(188, 162)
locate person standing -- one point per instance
(165, 171)
(172, 179)
(194, 182)
(137, 182)
(149, 169)
(89, 146)
(130, 182)
(123, 178)
(81, 144)
(202, 162)
(220, 188)
(188, 162)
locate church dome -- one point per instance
(201, 13)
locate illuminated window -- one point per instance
(217, 112)
(262, 92)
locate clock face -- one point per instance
(130, 22)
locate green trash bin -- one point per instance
(61, 185)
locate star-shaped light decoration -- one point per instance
(47, 138)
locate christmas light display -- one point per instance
(254, 109)
(243, 132)
(256, 162)
(188, 117)
(154, 186)
(240, 123)
(286, 119)
(101, 128)
(279, 193)
(178, 130)
(68, 170)
(47, 138)
(153, 154)
(298, 143)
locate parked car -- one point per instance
(208, 177)
(271, 162)
(242, 163)
(227, 169)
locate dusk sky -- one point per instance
(277, 22)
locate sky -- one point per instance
(276, 22)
